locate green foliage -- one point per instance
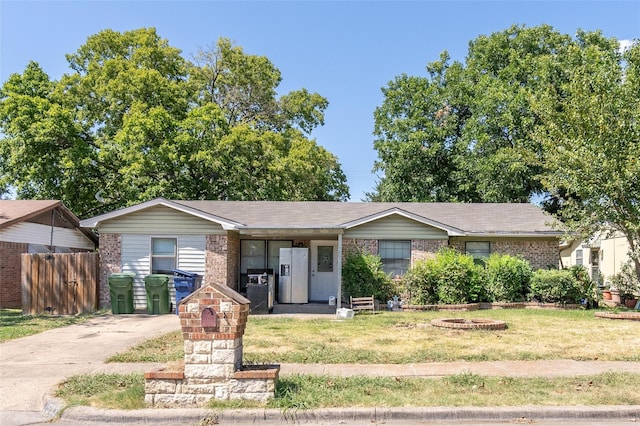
(626, 281)
(422, 281)
(507, 278)
(591, 135)
(463, 132)
(586, 286)
(123, 391)
(460, 277)
(555, 286)
(362, 275)
(134, 120)
(450, 277)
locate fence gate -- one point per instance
(59, 284)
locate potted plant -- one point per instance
(627, 283)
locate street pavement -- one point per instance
(31, 368)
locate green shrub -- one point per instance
(626, 281)
(586, 286)
(507, 278)
(421, 282)
(451, 277)
(460, 278)
(555, 286)
(362, 275)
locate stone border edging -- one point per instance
(470, 324)
(633, 316)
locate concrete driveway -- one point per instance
(31, 367)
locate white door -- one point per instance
(324, 271)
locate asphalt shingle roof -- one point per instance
(12, 211)
(500, 218)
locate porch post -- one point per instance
(339, 295)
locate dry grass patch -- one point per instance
(407, 337)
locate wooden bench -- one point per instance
(363, 304)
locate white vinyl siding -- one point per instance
(35, 233)
(136, 258)
(160, 219)
(395, 227)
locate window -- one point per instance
(163, 255)
(479, 250)
(259, 254)
(395, 256)
(579, 260)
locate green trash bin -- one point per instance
(121, 293)
(157, 286)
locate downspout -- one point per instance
(53, 222)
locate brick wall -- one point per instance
(233, 259)
(110, 263)
(10, 277)
(425, 249)
(216, 265)
(349, 245)
(541, 254)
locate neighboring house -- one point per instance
(35, 226)
(602, 255)
(227, 240)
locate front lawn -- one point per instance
(408, 337)
(14, 325)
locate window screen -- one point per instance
(480, 250)
(395, 256)
(163, 255)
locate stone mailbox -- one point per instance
(213, 320)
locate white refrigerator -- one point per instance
(293, 282)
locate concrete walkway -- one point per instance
(32, 367)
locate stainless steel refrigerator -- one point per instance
(293, 283)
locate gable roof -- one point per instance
(179, 206)
(457, 219)
(14, 211)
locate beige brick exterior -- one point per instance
(425, 249)
(540, 253)
(110, 263)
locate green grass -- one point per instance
(304, 392)
(14, 325)
(408, 337)
(115, 391)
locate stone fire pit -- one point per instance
(470, 324)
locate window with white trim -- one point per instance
(480, 250)
(164, 254)
(395, 256)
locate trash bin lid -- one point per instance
(156, 279)
(180, 272)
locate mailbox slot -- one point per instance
(209, 318)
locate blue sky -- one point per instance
(344, 50)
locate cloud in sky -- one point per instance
(625, 44)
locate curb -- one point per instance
(343, 415)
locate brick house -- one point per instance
(227, 241)
(35, 226)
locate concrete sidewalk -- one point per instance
(32, 367)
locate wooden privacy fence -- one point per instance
(60, 284)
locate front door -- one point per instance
(324, 271)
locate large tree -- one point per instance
(135, 120)
(591, 135)
(463, 132)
